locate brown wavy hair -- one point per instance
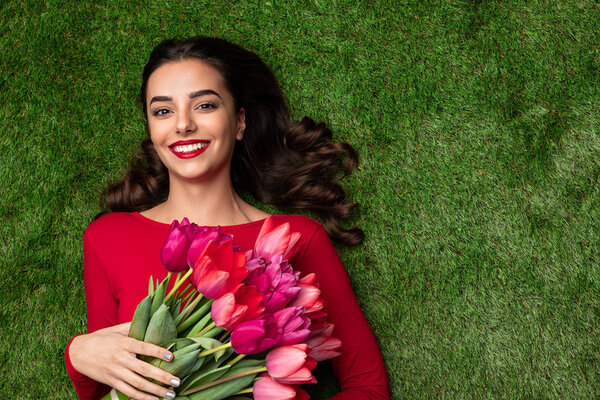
(291, 166)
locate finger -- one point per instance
(148, 349)
(141, 384)
(150, 371)
(123, 328)
(132, 392)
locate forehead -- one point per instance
(177, 78)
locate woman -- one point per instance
(217, 123)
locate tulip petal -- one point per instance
(213, 284)
(222, 309)
(268, 389)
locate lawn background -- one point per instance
(477, 125)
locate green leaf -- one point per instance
(151, 286)
(141, 318)
(214, 332)
(225, 389)
(175, 311)
(161, 328)
(204, 307)
(183, 360)
(208, 344)
(199, 326)
(202, 377)
(159, 296)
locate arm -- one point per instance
(106, 354)
(360, 368)
(101, 313)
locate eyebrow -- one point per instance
(191, 95)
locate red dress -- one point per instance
(122, 250)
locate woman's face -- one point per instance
(192, 120)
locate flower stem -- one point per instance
(178, 284)
(226, 379)
(235, 360)
(248, 390)
(224, 336)
(211, 351)
(191, 307)
(208, 328)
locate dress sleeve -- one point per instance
(360, 368)
(101, 313)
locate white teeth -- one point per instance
(190, 147)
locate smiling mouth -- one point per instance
(189, 149)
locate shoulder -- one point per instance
(116, 226)
(299, 223)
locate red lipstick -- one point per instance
(190, 154)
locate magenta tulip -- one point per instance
(219, 269)
(201, 237)
(292, 325)
(285, 327)
(268, 389)
(276, 280)
(232, 309)
(256, 335)
(272, 241)
(291, 364)
(173, 254)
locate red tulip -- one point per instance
(268, 389)
(173, 254)
(272, 241)
(291, 364)
(219, 269)
(232, 309)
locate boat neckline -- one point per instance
(225, 227)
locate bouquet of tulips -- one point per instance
(247, 322)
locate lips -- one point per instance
(189, 148)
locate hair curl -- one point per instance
(291, 166)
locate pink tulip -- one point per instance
(256, 335)
(173, 254)
(201, 237)
(273, 240)
(291, 364)
(309, 296)
(292, 325)
(268, 389)
(232, 309)
(324, 347)
(219, 269)
(276, 279)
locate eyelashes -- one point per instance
(164, 111)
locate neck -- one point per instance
(212, 202)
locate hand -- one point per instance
(109, 356)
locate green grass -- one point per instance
(477, 125)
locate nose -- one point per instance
(184, 124)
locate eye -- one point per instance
(159, 112)
(206, 106)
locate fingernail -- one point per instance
(174, 382)
(168, 356)
(171, 395)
